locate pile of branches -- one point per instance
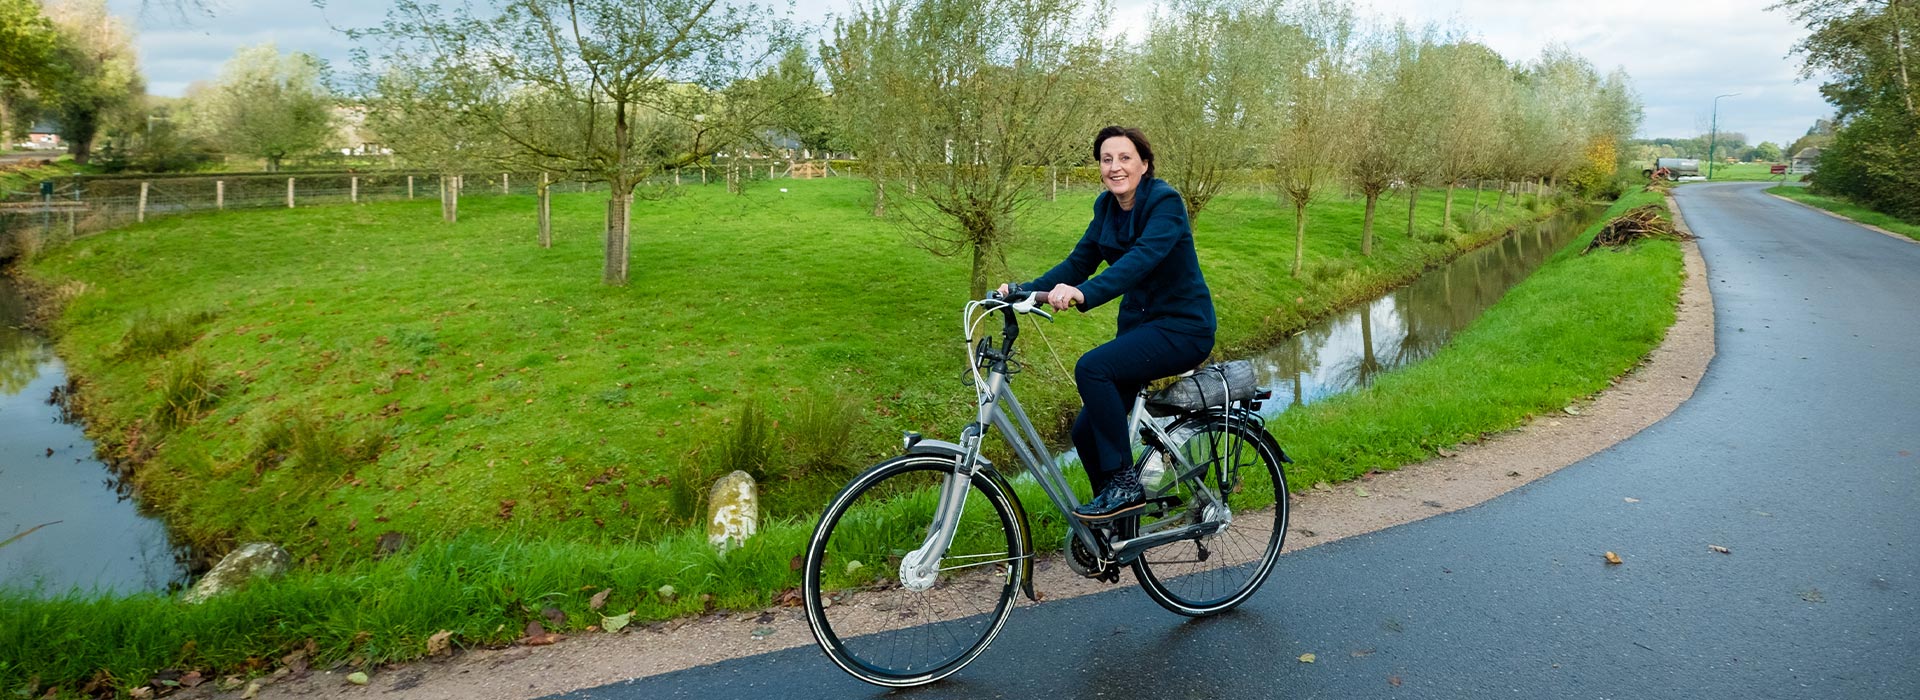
(1636, 224)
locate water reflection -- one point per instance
(1411, 323)
(89, 535)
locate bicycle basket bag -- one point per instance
(1210, 386)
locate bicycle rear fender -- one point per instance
(947, 449)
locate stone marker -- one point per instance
(733, 508)
(250, 561)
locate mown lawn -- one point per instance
(1556, 337)
(318, 377)
(1846, 208)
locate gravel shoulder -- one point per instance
(1452, 482)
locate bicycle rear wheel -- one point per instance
(883, 626)
(1214, 573)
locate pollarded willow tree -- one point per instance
(610, 91)
(969, 96)
(1312, 142)
(855, 60)
(1208, 85)
(1475, 90)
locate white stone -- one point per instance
(733, 508)
(250, 561)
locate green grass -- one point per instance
(1555, 338)
(26, 180)
(1743, 171)
(1843, 207)
(509, 390)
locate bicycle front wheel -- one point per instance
(1213, 573)
(885, 625)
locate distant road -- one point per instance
(1799, 452)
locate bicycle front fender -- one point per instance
(947, 449)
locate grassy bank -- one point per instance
(1556, 337)
(1744, 172)
(1843, 207)
(321, 377)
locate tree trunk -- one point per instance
(879, 191)
(977, 284)
(1446, 213)
(1500, 201)
(1366, 227)
(80, 149)
(1053, 184)
(1413, 205)
(546, 213)
(619, 204)
(1299, 238)
(1900, 54)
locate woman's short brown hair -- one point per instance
(1139, 144)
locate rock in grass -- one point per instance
(250, 561)
(734, 511)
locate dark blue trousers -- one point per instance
(1110, 376)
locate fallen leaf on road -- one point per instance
(1393, 681)
(1613, 558)
(542, 640)
(762, 632)
(192, 679)
(1720, 549)
(599, 600)
(617, 622)
(1813, 595)
(1513, 473)
(1444, 452)
(1632, 500)
(1361, 491)
(1322, 486)
(789, 598)
(1306, 658)
(1361, 653)
(357, 678)
(252, 691)
(438, 644)
(140, 693)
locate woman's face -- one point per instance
(1120, 166)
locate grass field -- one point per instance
(1557, 337)
(1843, 207)
(319, 377)
(1743, 171)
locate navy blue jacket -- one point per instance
(1150, 260)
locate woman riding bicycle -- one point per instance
(1166, 326)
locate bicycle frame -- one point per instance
(998, 408)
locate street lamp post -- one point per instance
(1713, 133)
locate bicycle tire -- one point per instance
(864, 618)
(1226, 568)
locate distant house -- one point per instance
(44, 136)
(1805, 161)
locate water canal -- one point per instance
(66, 519)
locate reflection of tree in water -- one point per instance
(20, 358)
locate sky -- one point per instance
(1679, 53)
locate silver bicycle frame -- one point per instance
(996, 406)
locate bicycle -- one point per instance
(916, 564)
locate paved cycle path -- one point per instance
(1800, 452)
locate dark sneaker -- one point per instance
(1120, 498)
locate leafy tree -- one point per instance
(804, 114)
(1476, 92)
(266, 104)
(87, 74)
(1767, 152)
(1207, 89)
(29, 46)
(1312, 143)
(609, 91)
(1866, 47)
(968, 96)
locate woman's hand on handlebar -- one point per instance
(1064, 296)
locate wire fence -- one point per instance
(74, 207)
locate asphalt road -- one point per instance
(1800, 452)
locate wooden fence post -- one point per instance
(409, 187)
(546, 213)
(503, 183)
(353, 189)
(676, 177)
(141, 213)
(289, 193)
(703, 175)
(219, 194)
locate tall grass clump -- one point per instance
(152, 334)
(817, 437)
(310, 443)
(186, 391)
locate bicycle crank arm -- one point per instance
(1126, 551)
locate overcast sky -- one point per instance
(1680, 53)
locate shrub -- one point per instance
(185, 393)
